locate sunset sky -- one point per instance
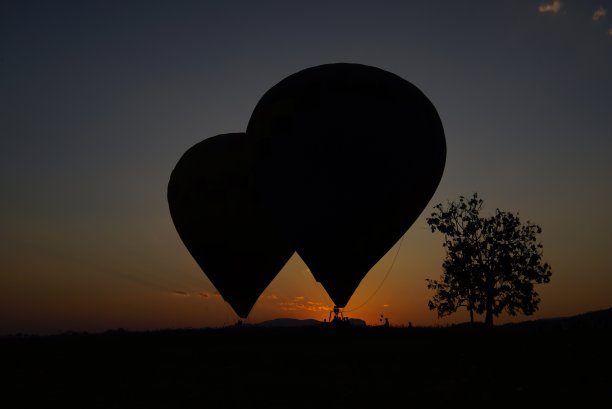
(99, 100)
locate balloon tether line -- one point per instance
(384, 278)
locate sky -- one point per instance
(99, 100)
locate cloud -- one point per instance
(300, 303)
(553, 7)
(202, 294)
(386, 305)
(208, 295)
(599, 13)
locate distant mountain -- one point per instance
(356, 322)
(292, 322)
(288, 322)
(601, 319)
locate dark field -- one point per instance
(312, 367)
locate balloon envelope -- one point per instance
(214, 209)
(348, 157)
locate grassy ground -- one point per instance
(311, 367)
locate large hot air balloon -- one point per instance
(213, 205)
(348, 156)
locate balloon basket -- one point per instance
(336, 316)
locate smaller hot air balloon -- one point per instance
(216, 214)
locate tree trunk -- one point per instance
(489, 286)
(489, 316)
(471, 317)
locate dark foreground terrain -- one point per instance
(533, 364)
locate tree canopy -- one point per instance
(492, 263)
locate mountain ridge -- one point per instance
(295, 322)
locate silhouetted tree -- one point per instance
(491, 264)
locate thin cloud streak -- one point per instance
(599, 13)
(553, 7)
(301, 304)
(201, 294)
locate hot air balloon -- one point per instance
(348, 156)
(212, 202)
